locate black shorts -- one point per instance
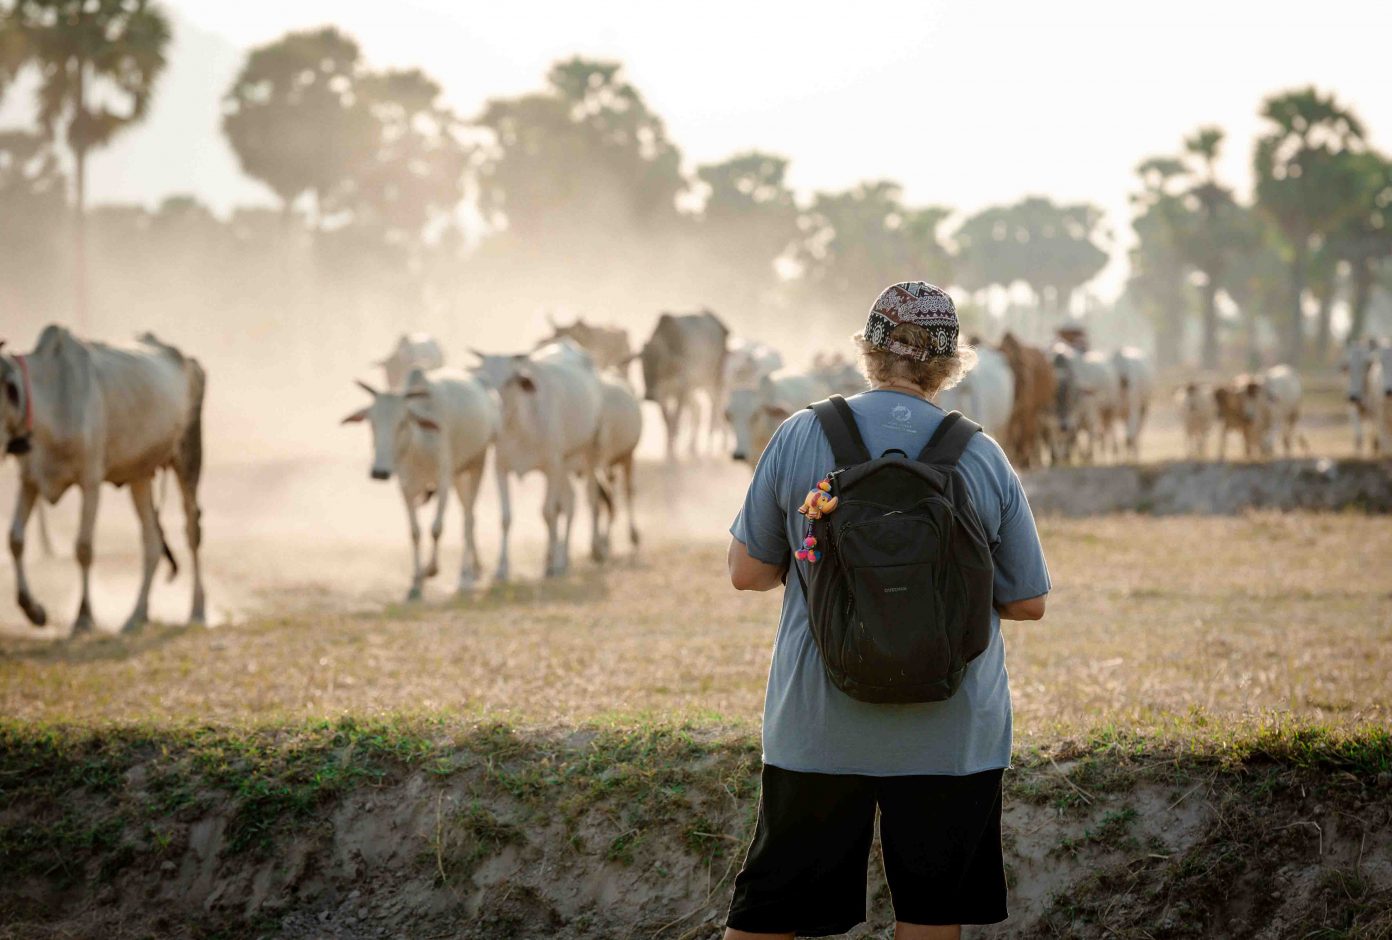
(807, 867)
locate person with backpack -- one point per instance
(903, 537)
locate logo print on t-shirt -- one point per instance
(900, 416)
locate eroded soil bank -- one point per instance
(432, 827)
(1213, 488)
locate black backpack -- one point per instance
(900, 595)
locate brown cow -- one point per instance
(1032, 415)
(1237, 411)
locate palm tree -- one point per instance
(1209, 244)
(1365, 238)
(97, 61)
(1297, 166)
(1157, 285)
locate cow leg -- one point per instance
(467, 487)
(689, 402)
(551, 512)
(671, 417)
(24, 505)
(602, 521)
(151, 545)
(86, 530)
(627, 467)
(417, 575)
(504, 520)
(568, 505)
(45, 540)
(1357, 431)
(193, 533)
(437, 526)
(713, 424)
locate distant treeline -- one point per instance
(575, 198)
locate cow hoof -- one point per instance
(133, 624)
(431, 570)
(83, 624)
(413, 595)
(33, 610)
(501, 576)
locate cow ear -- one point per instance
(777, 412)
(428, 423)
(355, 417)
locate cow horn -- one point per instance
(366, 388)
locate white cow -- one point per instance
(1198, 412)
(1366, 362)
(1278, 410)
(1135, 384)
(1385, 426)
(748, 362)
(620, 429)
(839, 374)
(755, 413)
(552, 402)
(1089, 393)
(433, 436)
(78, 413)
(986, 394)
(413, 351)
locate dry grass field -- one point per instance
(1153, 621)
(1201, 725)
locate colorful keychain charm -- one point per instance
(818, 503)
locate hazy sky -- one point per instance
(965, 103)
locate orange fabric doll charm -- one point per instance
(819, 501)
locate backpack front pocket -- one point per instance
(899, 635)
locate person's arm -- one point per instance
(1031, 608)
(759, 548)
(1022, 575)
(748, 573)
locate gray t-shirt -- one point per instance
(809, 724)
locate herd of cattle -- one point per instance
(78, 413)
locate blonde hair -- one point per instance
(932, 375)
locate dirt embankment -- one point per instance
(411, 829)
(1213, 488)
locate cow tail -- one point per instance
(188, 461)
(190, 458)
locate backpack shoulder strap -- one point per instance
(838, 424)
(950, 440)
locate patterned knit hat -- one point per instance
(921, 304)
